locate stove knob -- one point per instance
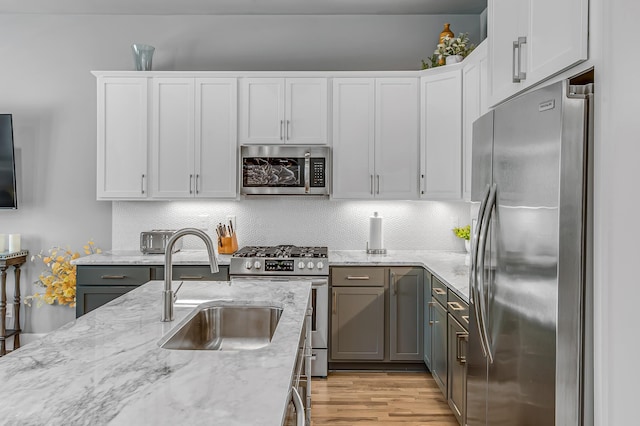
(301, 265)
(310, 265)
(256, 265)
(248, 265)
(320, 265)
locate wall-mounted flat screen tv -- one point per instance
(8, 193)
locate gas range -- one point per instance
(280, 260)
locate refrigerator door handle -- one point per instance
(473, 275)
(482, 246)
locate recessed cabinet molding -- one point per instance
(530, 41)
(283, 111)
(441, 136)
(375, 138)
(122, 138)
(193, 138)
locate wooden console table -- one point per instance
(15, 259)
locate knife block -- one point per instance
(228, 245)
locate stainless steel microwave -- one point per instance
(285, 169)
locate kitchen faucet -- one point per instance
(168, 294)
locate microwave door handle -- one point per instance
(307, 171)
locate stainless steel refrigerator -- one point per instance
(530, 341)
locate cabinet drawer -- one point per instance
(459, 309)
(357, 277)
(439, 291)
(113, 275)
(193, 273)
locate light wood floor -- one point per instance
(407, 399)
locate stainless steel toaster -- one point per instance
(155, 241)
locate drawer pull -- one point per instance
(113, 277)
(358, 277)
(461, 339)
(191, 277)
(465, 318)
(456, 306)
(439, 291)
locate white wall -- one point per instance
(45, 81)
(340, 225)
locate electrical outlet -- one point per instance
(9, 311)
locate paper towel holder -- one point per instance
(376, 251)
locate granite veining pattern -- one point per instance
(135, 257)
(106, 367)
(448, 266)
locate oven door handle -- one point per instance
(307, 170)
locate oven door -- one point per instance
(319, 317)
(284, 170)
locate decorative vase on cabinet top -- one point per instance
(446, 32)
(142, 56)
(453, 59)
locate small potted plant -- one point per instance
(454, 49)
(464, 232)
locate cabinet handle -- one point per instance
(307, 172)
(378, 186)
(460, 339)
(518, 75)
(392, 278)
(142, 184)
(465, 318)
(357, 277)
(371, 185)
(197, 182)
(430, 304)
(439, 291)
(113, 277)
(281, 126)
(335, 302)
(191, 277)
(190, 184)
(286, 132)
(455, 306)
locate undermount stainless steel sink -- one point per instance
(226, 327)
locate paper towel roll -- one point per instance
(375, 232)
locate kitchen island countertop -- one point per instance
(106, 367)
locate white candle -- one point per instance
(3, 237)
(14, 242)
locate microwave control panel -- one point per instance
(318, 173)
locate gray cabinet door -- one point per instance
(439, 345)
(405, 314)
(357, 323)
(427, 323)
(457, 371)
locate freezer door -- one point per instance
(523, 289)
(481, 180)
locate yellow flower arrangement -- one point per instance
(59, 279)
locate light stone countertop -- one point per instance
(106, 368)
(448, 266)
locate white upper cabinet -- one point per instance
(474, 104)
(441, 135)
(531, 41)
(375, 138)
(122, 138)
(193, 140)
(283, 110)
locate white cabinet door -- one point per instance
(474, 104)
(442, 136)
(216, 137)
(172, 138)
(306, 111)
(397, 138)
(552, 36)
(353, 137)
(122, 138)
(262, 111)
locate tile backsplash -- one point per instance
(340, 225)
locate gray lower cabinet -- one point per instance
(426, 324)
(439, 344)
(405, 314)
(98, 285)
(357, 323)
(457, 368)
